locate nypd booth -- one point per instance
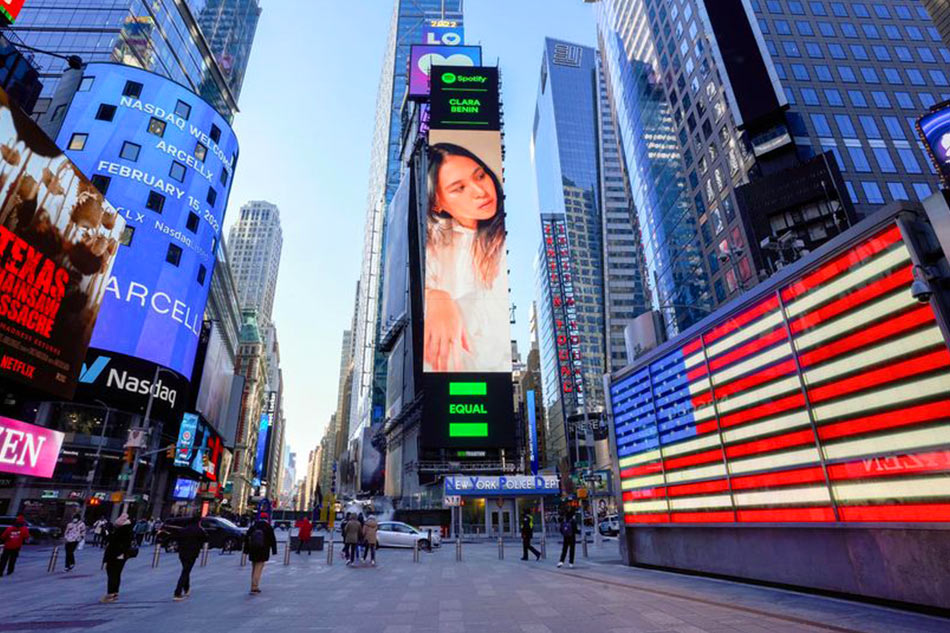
(492, 506)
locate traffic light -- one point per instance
(170, 451)
(129, 456)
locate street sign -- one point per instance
(452, 501)
(136, 438)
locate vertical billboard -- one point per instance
(467, 332)
(422, 58)
(934, 131)
(443, 33)
(199, 449)
(165, 159)
(58, 241)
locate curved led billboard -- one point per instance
(164, 158)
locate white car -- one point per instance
(398, 534)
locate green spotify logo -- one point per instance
(448, 78)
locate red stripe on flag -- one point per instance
(918, 512)
(904, 369)
(766, 375)
(706, 427)
(692, 347)
(646, 518)
(842, 263)
(902, 277)
(819, 514)
(760, 343)
(717, 485)
(702, 399)
(696, 372)
(794, 401)
(703, 517)
(898, 324)
(778, 479)
(692, 460)
(887, 420)
(733, 324)
(644, 469)
(891, 466)
(796, 438)
(646, 493)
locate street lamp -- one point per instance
(95, 465)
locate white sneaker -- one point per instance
(571, 565)
(560, 564)
(374, 563)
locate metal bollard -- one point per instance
(204, 555)
(287, 552)
(501, 548)
(330, 551)
(458, 547)
(544, 547)
(243, 559)
(155, 555)
(415, 552)
(53, 557)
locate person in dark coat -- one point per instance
(259, 543)
(117, 552)
(568, 529)
(190, 538)
(527, 531)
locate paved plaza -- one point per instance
(437, 595)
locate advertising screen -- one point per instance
(185, 488)
(260, 459)
(10, 9)
(58, 240)
(934, 130)
(443, 32)
(422, 58)
(217, 374)
(825, 399)
(27, 449)
(467, 332)
(199, 448)
(464, 98)
(129, 383)
(165, 159)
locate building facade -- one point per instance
(252, 366)
(229, 27)
(939, 11)
(162, 36)
(255, 242)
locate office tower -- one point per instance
(162, 36)
(590, 275)
(229, 27)
(369, 366)
(778, 124)
(939, 11)
(255, 243)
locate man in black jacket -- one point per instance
(190, 539)
(527, 531)
(259, 543)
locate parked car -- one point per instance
(222, 534)
(38, 532)
(610, 525)
(398, 534)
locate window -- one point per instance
(870, 31)
(817, 8)
(105, 112)
(823, 73)
(177, 171)
(215, 133)
(847, 74)
(156, 127)
(173, 256)
(837, 8)
(869, 75)
(897, 191)
(894, 128)
(848, 30)
(85, 84)
(77, 142)
(880, 99)
(859, 52)
(800, 72)
(224, 178)
(881, 53)
(804, 28)
(833, 97)
(837, 51)
(212, 196)
(130, 151)
(869, 125)
(915, 76)
(926, 55)
(791, 49)
(860, 159)
(893, 77)
(132, 89)
(202, 272)
(192, 223)
(921, 190)
(872, 192)
(938, 77)
(782, 27)
(845, 126)
(826, 29)
(820, 123)
(810, 96)
(857, 99)
(101, 183)
(813, 50)
(904, 100)
(884, 160)
(155, 202)
(201, 152)
(909, 160)
(182, 109)
(127, 233)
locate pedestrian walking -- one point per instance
(190, 539)
(351, 538)
(119, 549)
(98, 529)
(370, 528)
(568, 529)
(304, 530)
(140, 529)
(73, 535)
(13, 539)
(527, 531)
(259, 544)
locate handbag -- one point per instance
(132, 552)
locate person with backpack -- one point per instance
(13, 539)
(74, 534)
(119, 549)
(304, 530)
(190, 539)
(527, 531)
(259, 544)
(568, 529)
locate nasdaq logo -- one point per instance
(91, 372)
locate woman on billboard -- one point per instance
(466, 287)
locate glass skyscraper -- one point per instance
(848, 77)
(369, 366)
(229, 26)
(158, 35)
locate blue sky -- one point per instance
(305, 129)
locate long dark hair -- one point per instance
(490, 234)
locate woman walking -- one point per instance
(75, 533)
(118, 550)
(351, 538)
(370, 527)
(190, 540)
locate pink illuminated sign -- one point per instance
(27, 449)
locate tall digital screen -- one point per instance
(443, 32)
(260, 459)
(165, 159)
(199, 448)
(58, 240)
(422, 58)
(823, 400)
(467, 332)
(934, 130)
